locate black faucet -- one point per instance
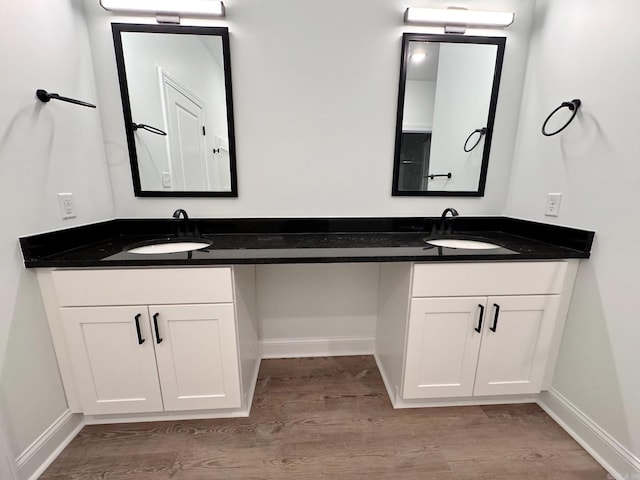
(183, 226)
(444, 225)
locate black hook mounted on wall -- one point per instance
(45, 97)
(573, 106)
(481, 132)
(148, 128)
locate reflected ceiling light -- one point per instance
(458, 17)
(418, 57)
(212, 8)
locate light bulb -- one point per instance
(418, 57)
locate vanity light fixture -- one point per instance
(458, 18)
(209, 8)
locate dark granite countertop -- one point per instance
(321, 240)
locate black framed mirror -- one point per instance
(446, 110)
(175, 85)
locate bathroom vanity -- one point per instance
(176, 335)
(456, 332)
(154, 340)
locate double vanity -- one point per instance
(470, 310)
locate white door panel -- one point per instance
(197, 357)
(115, 372)
(442, 347)
(184, 114)
(513, 357)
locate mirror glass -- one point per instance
(175, 83)
(446, 109)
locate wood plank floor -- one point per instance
(330, 418)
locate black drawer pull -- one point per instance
(155, 326)
(479, 327)
(140, 339)
(495, 318)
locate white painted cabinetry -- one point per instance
(516, 342)
(452, 353)
(198, 356)
(113, 372)
(154, 340)
(191, 363)
(442, 347)
(470, 330)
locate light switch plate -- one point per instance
(552, 209)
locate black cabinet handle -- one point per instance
(155, 326)
(140, 339)
(495, 318)
(479, 327)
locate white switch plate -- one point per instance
(552, 209)
(67, 206)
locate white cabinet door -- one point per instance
(442, 347)
(197, 356)
(515, 344)
(115, 372)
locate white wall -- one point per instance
(588, 49)
(419, 100)
(315, 89)
(315, 93)
(326, 303)
(44, 149)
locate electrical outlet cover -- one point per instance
(166, 179)
(67, 206)
(552, 208)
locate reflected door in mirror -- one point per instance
(177, 80)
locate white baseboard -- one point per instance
(164, 416)
(391, 391)
(316, 347)
(606, 450)
(252, 387)
(45, 449)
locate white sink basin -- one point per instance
(465, 244)
(169, 247)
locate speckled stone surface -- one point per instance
(320, 240)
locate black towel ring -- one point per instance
(148, 128)
(434, 175)
(573, 105)
(481, 131)
(46, 97)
